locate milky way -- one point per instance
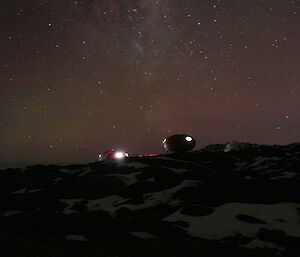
(81, 77)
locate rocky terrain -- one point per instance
(238, 203)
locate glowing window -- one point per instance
(188, 139)
(119, 155)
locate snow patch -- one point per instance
(240, 165)
(69, 171)
(143, 235)
(56, 180)
(73, 237)
(285, 174)
(114, 202)
(70, 202)
(259, 244)
(162, 197)
(21, 191)
(152, 179)
(223, 222)
(110, 204)
(35, 190)
(84, 172)
(260, 163)
(136, 165)
(237, 146)
(260, 160)
(12, 212)
(127, 179)
(178, 171)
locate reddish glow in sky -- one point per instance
(81, 77)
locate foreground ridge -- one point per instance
(210, 202)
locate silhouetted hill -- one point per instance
(244, 202)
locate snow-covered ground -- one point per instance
(248, 197)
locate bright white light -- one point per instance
(188, 139)
(119, 155)
(164, 141)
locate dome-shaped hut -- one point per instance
(179, 143)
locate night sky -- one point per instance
(81, 77)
